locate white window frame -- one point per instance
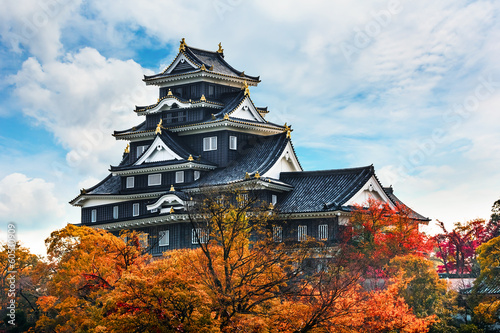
(210, 143)
(199, 236)
(130, 182)
(152, 177)
(196, 174)
(164, 238)
(179, 177)
(302, 233)
(141, 149)
(323, 232)
(93, 215)
(116, 212)
(135, 209)
(233, 142)
(274, 199)
(277, 234)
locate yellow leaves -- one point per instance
(46, 302)
(488, 311)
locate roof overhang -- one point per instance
(80, 200)
(187, 165)
(200, 75)
(226, 124)
(166, 102)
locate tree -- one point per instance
(457, 248)
(381, 232)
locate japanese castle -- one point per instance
(204, 132)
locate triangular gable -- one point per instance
(158, 151)
(370, 190)
(246, 110)
(181, 63)
(166, 202)
(287, 162)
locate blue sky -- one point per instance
(413, 88)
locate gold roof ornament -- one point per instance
(288, 130)
(172, 189)
(158, 101)
(242, 73)
(203, 68)
(257, 174)
(247, 176)
(199, 158)
(83, 191)
(220, 50)
(169, 93)
(190, 158)
(213, 116)
(202, 98)
(171, 210)
(127, 149)
(226, 116)
(159, 127)
(211, 68)
(247, 90)
(182, 47)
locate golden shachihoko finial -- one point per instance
(127, 149)
(245, 86)
(190, 158)
(220, 50)
(172, 189)
(288, 130)
(159, 127)
(182, 47)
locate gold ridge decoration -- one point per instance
(169, 93)
(171, 210)
(257, 174)
(127, 149)
(182, 47)
(242, 73)
(247, 90)
(247, 176)
(172, 189)
(190, 158)
(220, 50)
(159, 127)
(202, 98)
(226, 116)
(203, 68)
(83, 191)
(211, 68)
(288, 130)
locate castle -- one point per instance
(205, 133)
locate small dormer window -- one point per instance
(130, 182)
(210, 143)
(179, 177)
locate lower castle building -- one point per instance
(205, 133)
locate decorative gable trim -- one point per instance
(158, 151)
(287, 162)
(247, 110)
(166, 202)
(370, 190)
(182, 61)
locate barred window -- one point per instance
(277, 234)
(210, 143)
(233, 142)
(93, 215)
(164, 238)
(302, 233)
(179, 176)
(135, 209)
(115, 212)
(154, 179)
(199, 236)
(130, 182)
(323, 232)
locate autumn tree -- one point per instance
(380, 232)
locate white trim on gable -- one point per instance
(371, 190)
(183, 58)
(166, 202)
(158, 151)
(247, 111)
(287, 162)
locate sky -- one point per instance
(412, 87)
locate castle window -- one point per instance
(140, 150)
(210, 143)
(154, 179)
(233, 142)
(274, 199)
(135, 209)
(179, 176)
(211, 90)
(302, 233)
(164, 238)
(176, 117)
(323, 232)
(115, 212)
(277, 234)
(93, 215)
(196, 175)
(199, 236)
(130, 182)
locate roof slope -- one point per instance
(326, 190)
(259, 156)
(413, 214)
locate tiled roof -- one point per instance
(487, 286)
(319, 191)
(109, 185)
(413, 214)
(138, 128)
(259, 156)
(208, 58)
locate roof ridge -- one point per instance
(322, 172)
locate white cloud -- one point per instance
(82, 99)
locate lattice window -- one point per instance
(323, 232)
(302, 233)
(277, 234)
